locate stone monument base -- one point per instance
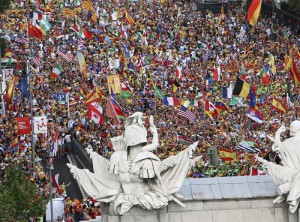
(231, 199)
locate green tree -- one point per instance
(18, 197)
(4, 45)
(4, 5)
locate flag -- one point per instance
(87, 34)
(117, 108)
(126, 91)
(107, 40)
(217, 74)
(195, 103)
(8, 53)
(55, 143)
(88, 5)
(171, 101)
(56, 71)
(183, 139)
(221, 105)
(34, 31)
(289, 96)
(35, 15)
(253, 12)
(297, 53)
(114, 83)
(256, 172)
(95, 96)
(255, 115)
(210, 109)
(45, 24)
(82, 64)
(175, 87)
(272, 64)
(241, 89)
(184, 112)
(178, 72)
(293, 72)
(10, 91)
(69, 12)
(23, 87)
(55, 180)
(158, 92)
(36, 60)
(95, 112)
(24, 125)
(110, 111)
(278, 106)
(67, 56)
(246, 147)
(265, 78)
(128, 18)
(79, 31)
(14, 143)
(227, 92)
(226, 155)
(221, 16)
(39, 124)
(252, 97)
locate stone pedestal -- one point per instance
(227, 199)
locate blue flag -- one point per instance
(22, 86)
(252, 98)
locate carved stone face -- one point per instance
(135, 134)
(295, 127)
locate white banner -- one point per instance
(40, 124)
(8, 74)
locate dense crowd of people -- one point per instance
(154, 46)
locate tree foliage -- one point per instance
(4, 45)
(292, 6)
(18, 197)
(4, 5)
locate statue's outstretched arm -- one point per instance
(154, 144)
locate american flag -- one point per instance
(67, 56)
(183, 111)
(37, 61)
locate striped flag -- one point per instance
(69, 12)
(246, 147)
(37, 61)
(67, 56)
(87, 5)
(184, 139)
(184, 112)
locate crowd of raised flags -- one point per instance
(209, 78)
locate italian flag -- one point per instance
(79, 31)
(56, 71)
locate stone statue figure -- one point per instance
(287, 175)
(134, 176)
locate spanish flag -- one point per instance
(278, 106)
(253, 12)
(8, 53)
(226, 155)
(241, 89)
(294, 73)
(10, 90)
(128, 18)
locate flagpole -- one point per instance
(32, 122)
(50, 178)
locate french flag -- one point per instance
(35, 15)
(171, 101)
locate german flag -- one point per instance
(293, 72)
(128, 18)
(241, 89)
(87, 5)
(253, 12)
(278, 106)
(226, 155)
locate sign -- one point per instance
(61, 98)
(8, 74)
(24, 125)
(39, 124)
(114, 84)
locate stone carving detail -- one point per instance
(134, 176)
(287, 175)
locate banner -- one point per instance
(82, 63)
(8, 74)
(61, 98)
(39, 124)
(24, 125)
(114, 84)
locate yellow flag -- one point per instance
(114, 84)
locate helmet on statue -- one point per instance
(135, 134)
(295, 127)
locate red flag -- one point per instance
(110, 111)
(10, 91)
(88, 34)
(256, 172)
(24, 125)
(34, 31)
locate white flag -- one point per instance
(8, 74)
(40, 124)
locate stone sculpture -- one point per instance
(287, 175)
(134, 176)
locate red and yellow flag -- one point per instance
(294, 73)
(10, 90)
(253, 12)
(128, 18)
(278, 106)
